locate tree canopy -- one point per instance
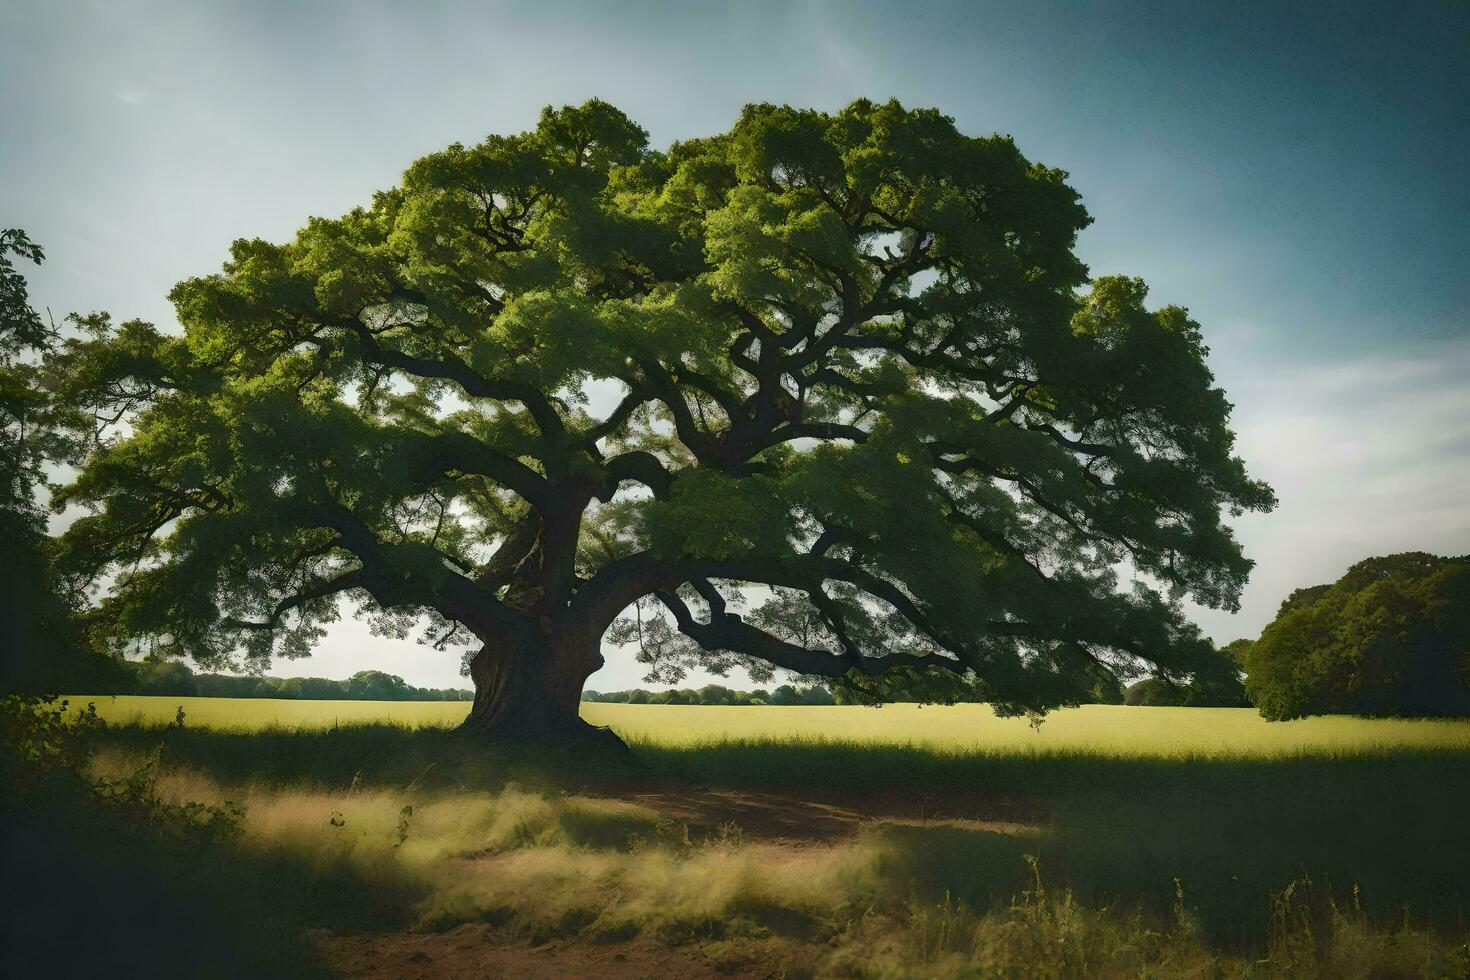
(41, 647)
(30, 613)
(829, 393)
(1391, 637)
(1216, 684)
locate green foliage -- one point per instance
(48, 751)
(858, 368)
(43, 738)
(1107, 688)
(165, 677)
(1217, 684)
(1391, 637)
(92, 862)
(1154, 693)
(42, 645)
(35, 624)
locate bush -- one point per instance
(1154, 693)
(170, 678)
(48, 754)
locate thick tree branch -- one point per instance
(617, 585)
(805, 430)
(731, 633)
(448, 369)
(396, 574)
(637, 396)
(512, 551)
(640, 467)
(462, 452)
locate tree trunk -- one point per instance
(532, 691)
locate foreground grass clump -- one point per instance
(1111, 730)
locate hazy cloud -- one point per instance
(1368, 455)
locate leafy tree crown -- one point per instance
(847, 363)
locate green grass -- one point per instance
(254, 714)
(1157, 793)
(1139, 806)
(1107, 730)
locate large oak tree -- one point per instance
(847, 363)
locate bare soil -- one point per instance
(479, 951)
(827, 815)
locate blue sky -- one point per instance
(1292, 173)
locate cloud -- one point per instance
(1368, 455)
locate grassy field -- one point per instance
(810, 841)
(1092, 729)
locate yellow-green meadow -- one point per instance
(1091, 729)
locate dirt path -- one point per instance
(475, 950)
(814, 818)
(825, 815)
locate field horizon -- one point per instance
(1141, 731)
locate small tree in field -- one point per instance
(847, 363)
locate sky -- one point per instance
(1292, 173)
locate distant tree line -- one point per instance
(1108, 690)
(717, 694)
(173, 678)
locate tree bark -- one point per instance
(531, 690)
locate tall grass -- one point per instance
(1343, 861)
(1117, 830)
(1140, 877)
